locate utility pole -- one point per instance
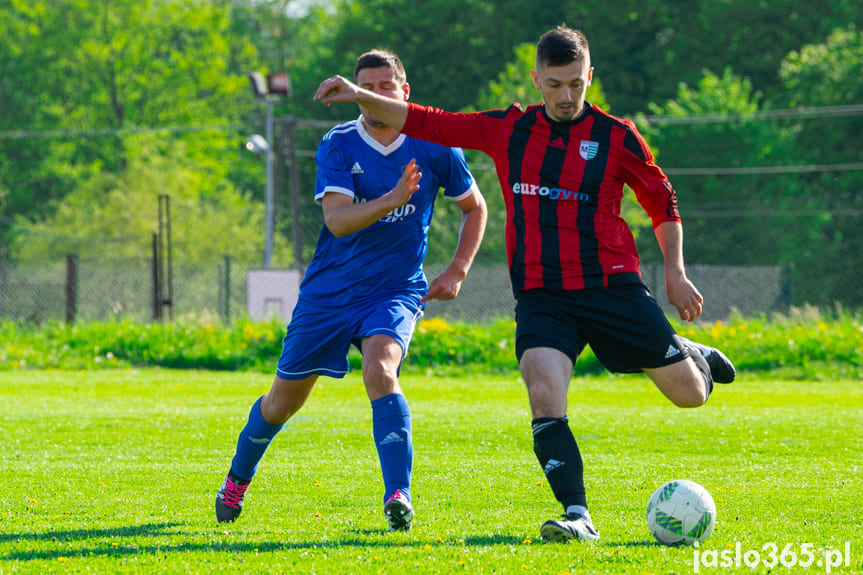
(290, 128)
(268, 196)
(268, 92)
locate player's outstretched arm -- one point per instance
(390, 111)
(474, 216)
(342, 216)
(682, 293)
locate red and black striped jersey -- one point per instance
(563, 186)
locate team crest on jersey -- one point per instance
(588, 149)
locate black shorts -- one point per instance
(624, 326)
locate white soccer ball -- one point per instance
(681, 512)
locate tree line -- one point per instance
(105, 105)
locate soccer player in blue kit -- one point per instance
(365, 285)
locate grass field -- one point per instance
(116, 471)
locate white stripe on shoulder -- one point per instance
(466, 194)
(343, 128)
(334, 189)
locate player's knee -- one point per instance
(285, 399)
(377, 387)
(694, 395)
(380, 373)
(278, 410)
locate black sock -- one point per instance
(701, 363)
(558, 454)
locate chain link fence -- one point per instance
(486, 293)
(105, 290)
(118, 289)
(740, 279)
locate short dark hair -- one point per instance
(561, 46)
(381, 59)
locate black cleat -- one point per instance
(721, 367)
(572, 526)
(229, 499)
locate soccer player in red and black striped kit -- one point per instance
(572, 258)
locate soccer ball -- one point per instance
(681, 511)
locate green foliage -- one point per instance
(803, 344)
(823, 208)
(642, 50)
(433, 42)
(116, 472)
(742, 206)
(209, 216)
(828, 74)
(189, 345)
(120, 65)
(439, 346)
(92, 65)
(824, 73)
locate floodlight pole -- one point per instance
(268, 198)
(277, 84)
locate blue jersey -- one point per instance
(385, 258)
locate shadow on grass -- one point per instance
(148, 529)
(512, 540)
(365, 538)
(642, 543)
(134, 549)
(498, 539)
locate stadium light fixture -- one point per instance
(268, 90)
(277, 84)
(259, 86)
(257, 144)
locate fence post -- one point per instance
(157, 296)
(786, 293)
(4, 278)
(166, 268)
(294, 183)
(225, 288)
(71, 287)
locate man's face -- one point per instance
(381, 81)
(563, 88)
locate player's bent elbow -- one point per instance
(337, 230)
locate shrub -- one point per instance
(804, 343)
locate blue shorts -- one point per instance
(319, 337)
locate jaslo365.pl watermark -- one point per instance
(771, 556)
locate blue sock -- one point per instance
(391, 423)
(253, 442)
